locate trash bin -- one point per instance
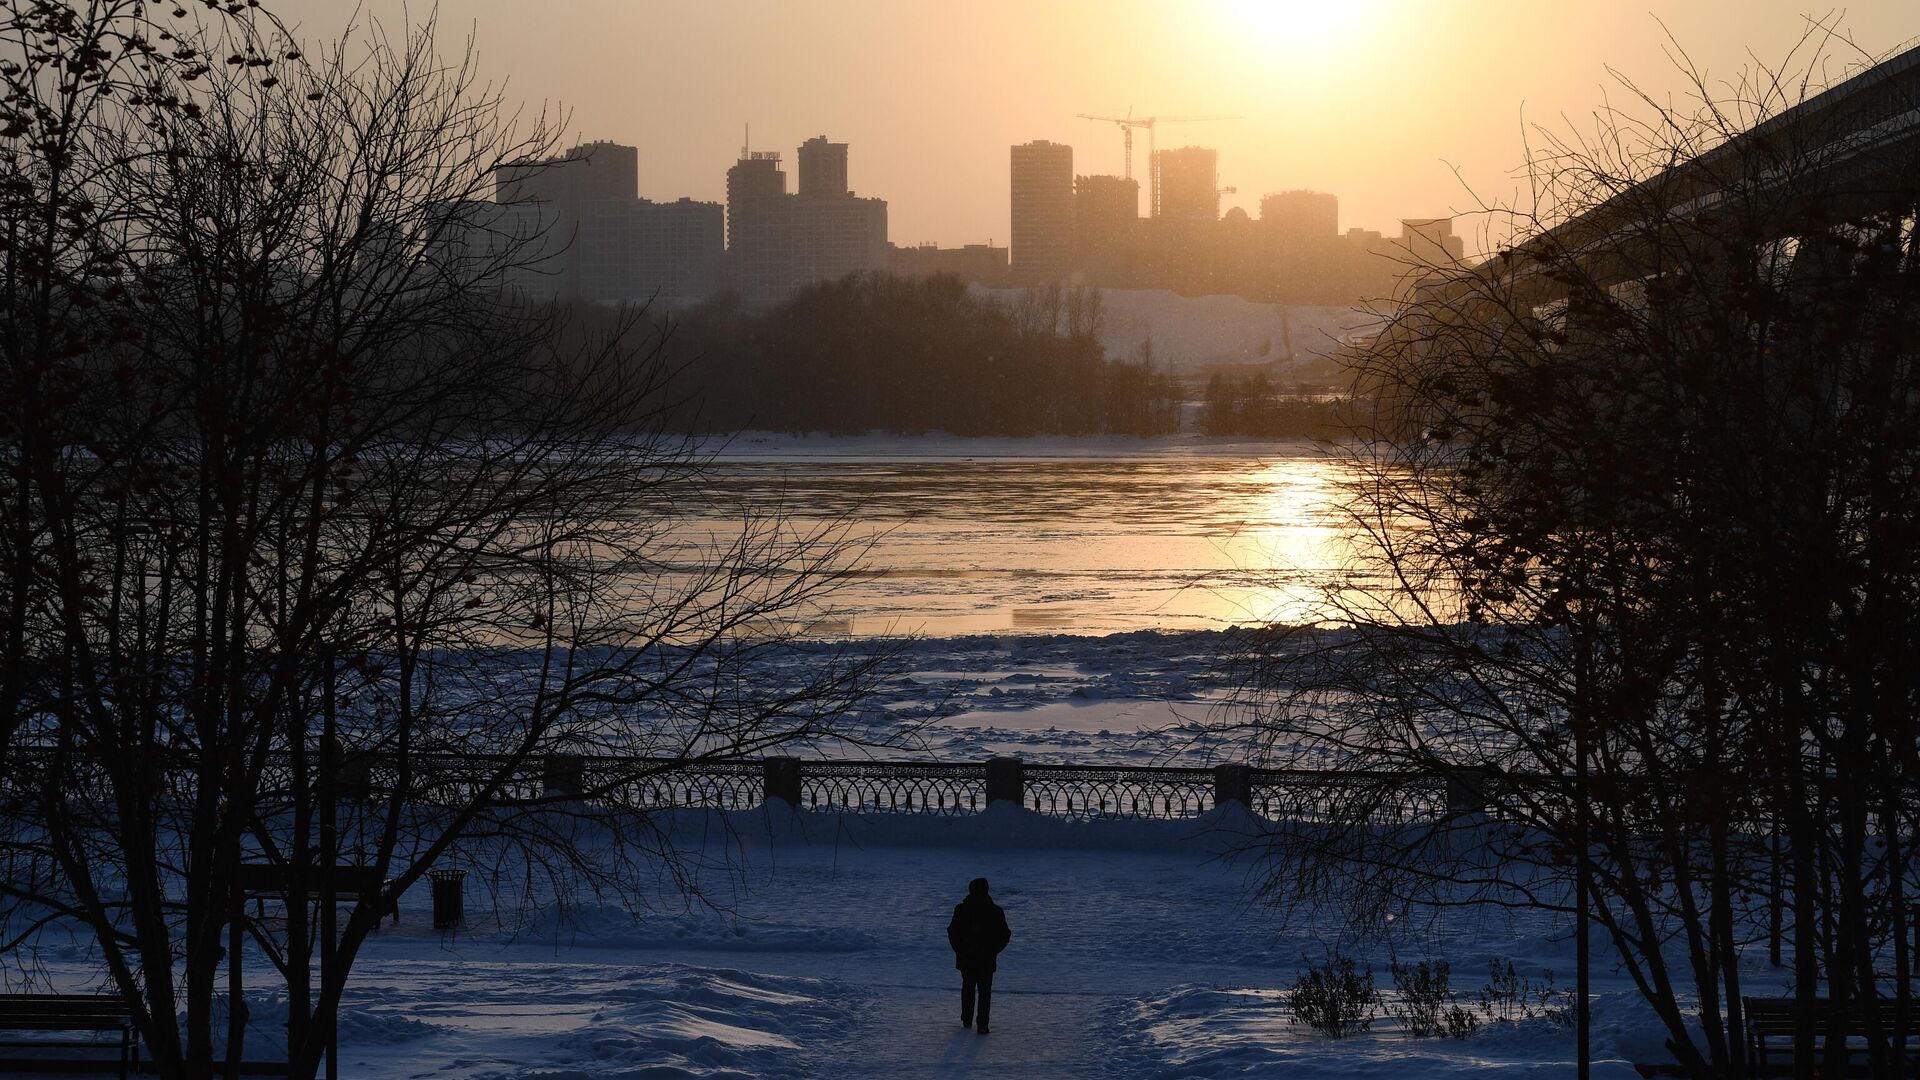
(449, 901)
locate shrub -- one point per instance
(1510, 996)
(1333, 997)
(1459, 1022)
(1557, 1005)
(1424, 1004)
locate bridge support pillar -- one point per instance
(1232, 783)
(1006, 779)
(781, 775)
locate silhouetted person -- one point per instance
(977, 933)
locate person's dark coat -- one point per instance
(977, 933)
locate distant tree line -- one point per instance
(1257, 406)
(911, 355)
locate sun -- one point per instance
(1301, 28)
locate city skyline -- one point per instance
(1362, 100)
(602, 242)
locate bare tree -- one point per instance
(1639, 595)
(330, 557)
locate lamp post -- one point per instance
(329, 858)
(1583, 824)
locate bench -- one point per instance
(1771, 1024)
(69, 1012)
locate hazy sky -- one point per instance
(1377, 101)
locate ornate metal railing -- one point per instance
(727, 785)
(1077, 792)
(892, 787)
(1307, 795)
(1117, 791)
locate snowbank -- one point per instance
(675, 1021)
(1206, 1031)
(609, 926)
(1223, 832)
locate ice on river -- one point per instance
(1140, 698)
(1045, 535)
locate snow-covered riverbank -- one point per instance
(825, 957)
(815, 947)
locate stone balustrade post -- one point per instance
(781, 777)
(563, 776)
(353, 779)
(1232, 783)
(1469, 790)
(1006, 779)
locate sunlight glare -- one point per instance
(1313, 31)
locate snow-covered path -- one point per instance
(1035, 1033)
(1136, 953)
(849, 940)
(830, 960)
(1091, 929)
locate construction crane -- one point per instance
(1129, 122)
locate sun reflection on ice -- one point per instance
(1295, 542)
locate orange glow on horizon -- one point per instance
(1401, 108)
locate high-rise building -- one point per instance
(1430, 241)
(823, 168)
(753, 180)
(778, 243)
(757, 225)
(515, 248)
(833, 236)
(1189, 184)
(1106, 219)
(1301, 219)
(595, 170)
(574, 226)
(982, 263)
(634, 249)
(1042, 197)
(1295, 253)
(757, 173)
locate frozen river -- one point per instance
(1077, 536)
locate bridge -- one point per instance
(1843, 153)
(1783, 207)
